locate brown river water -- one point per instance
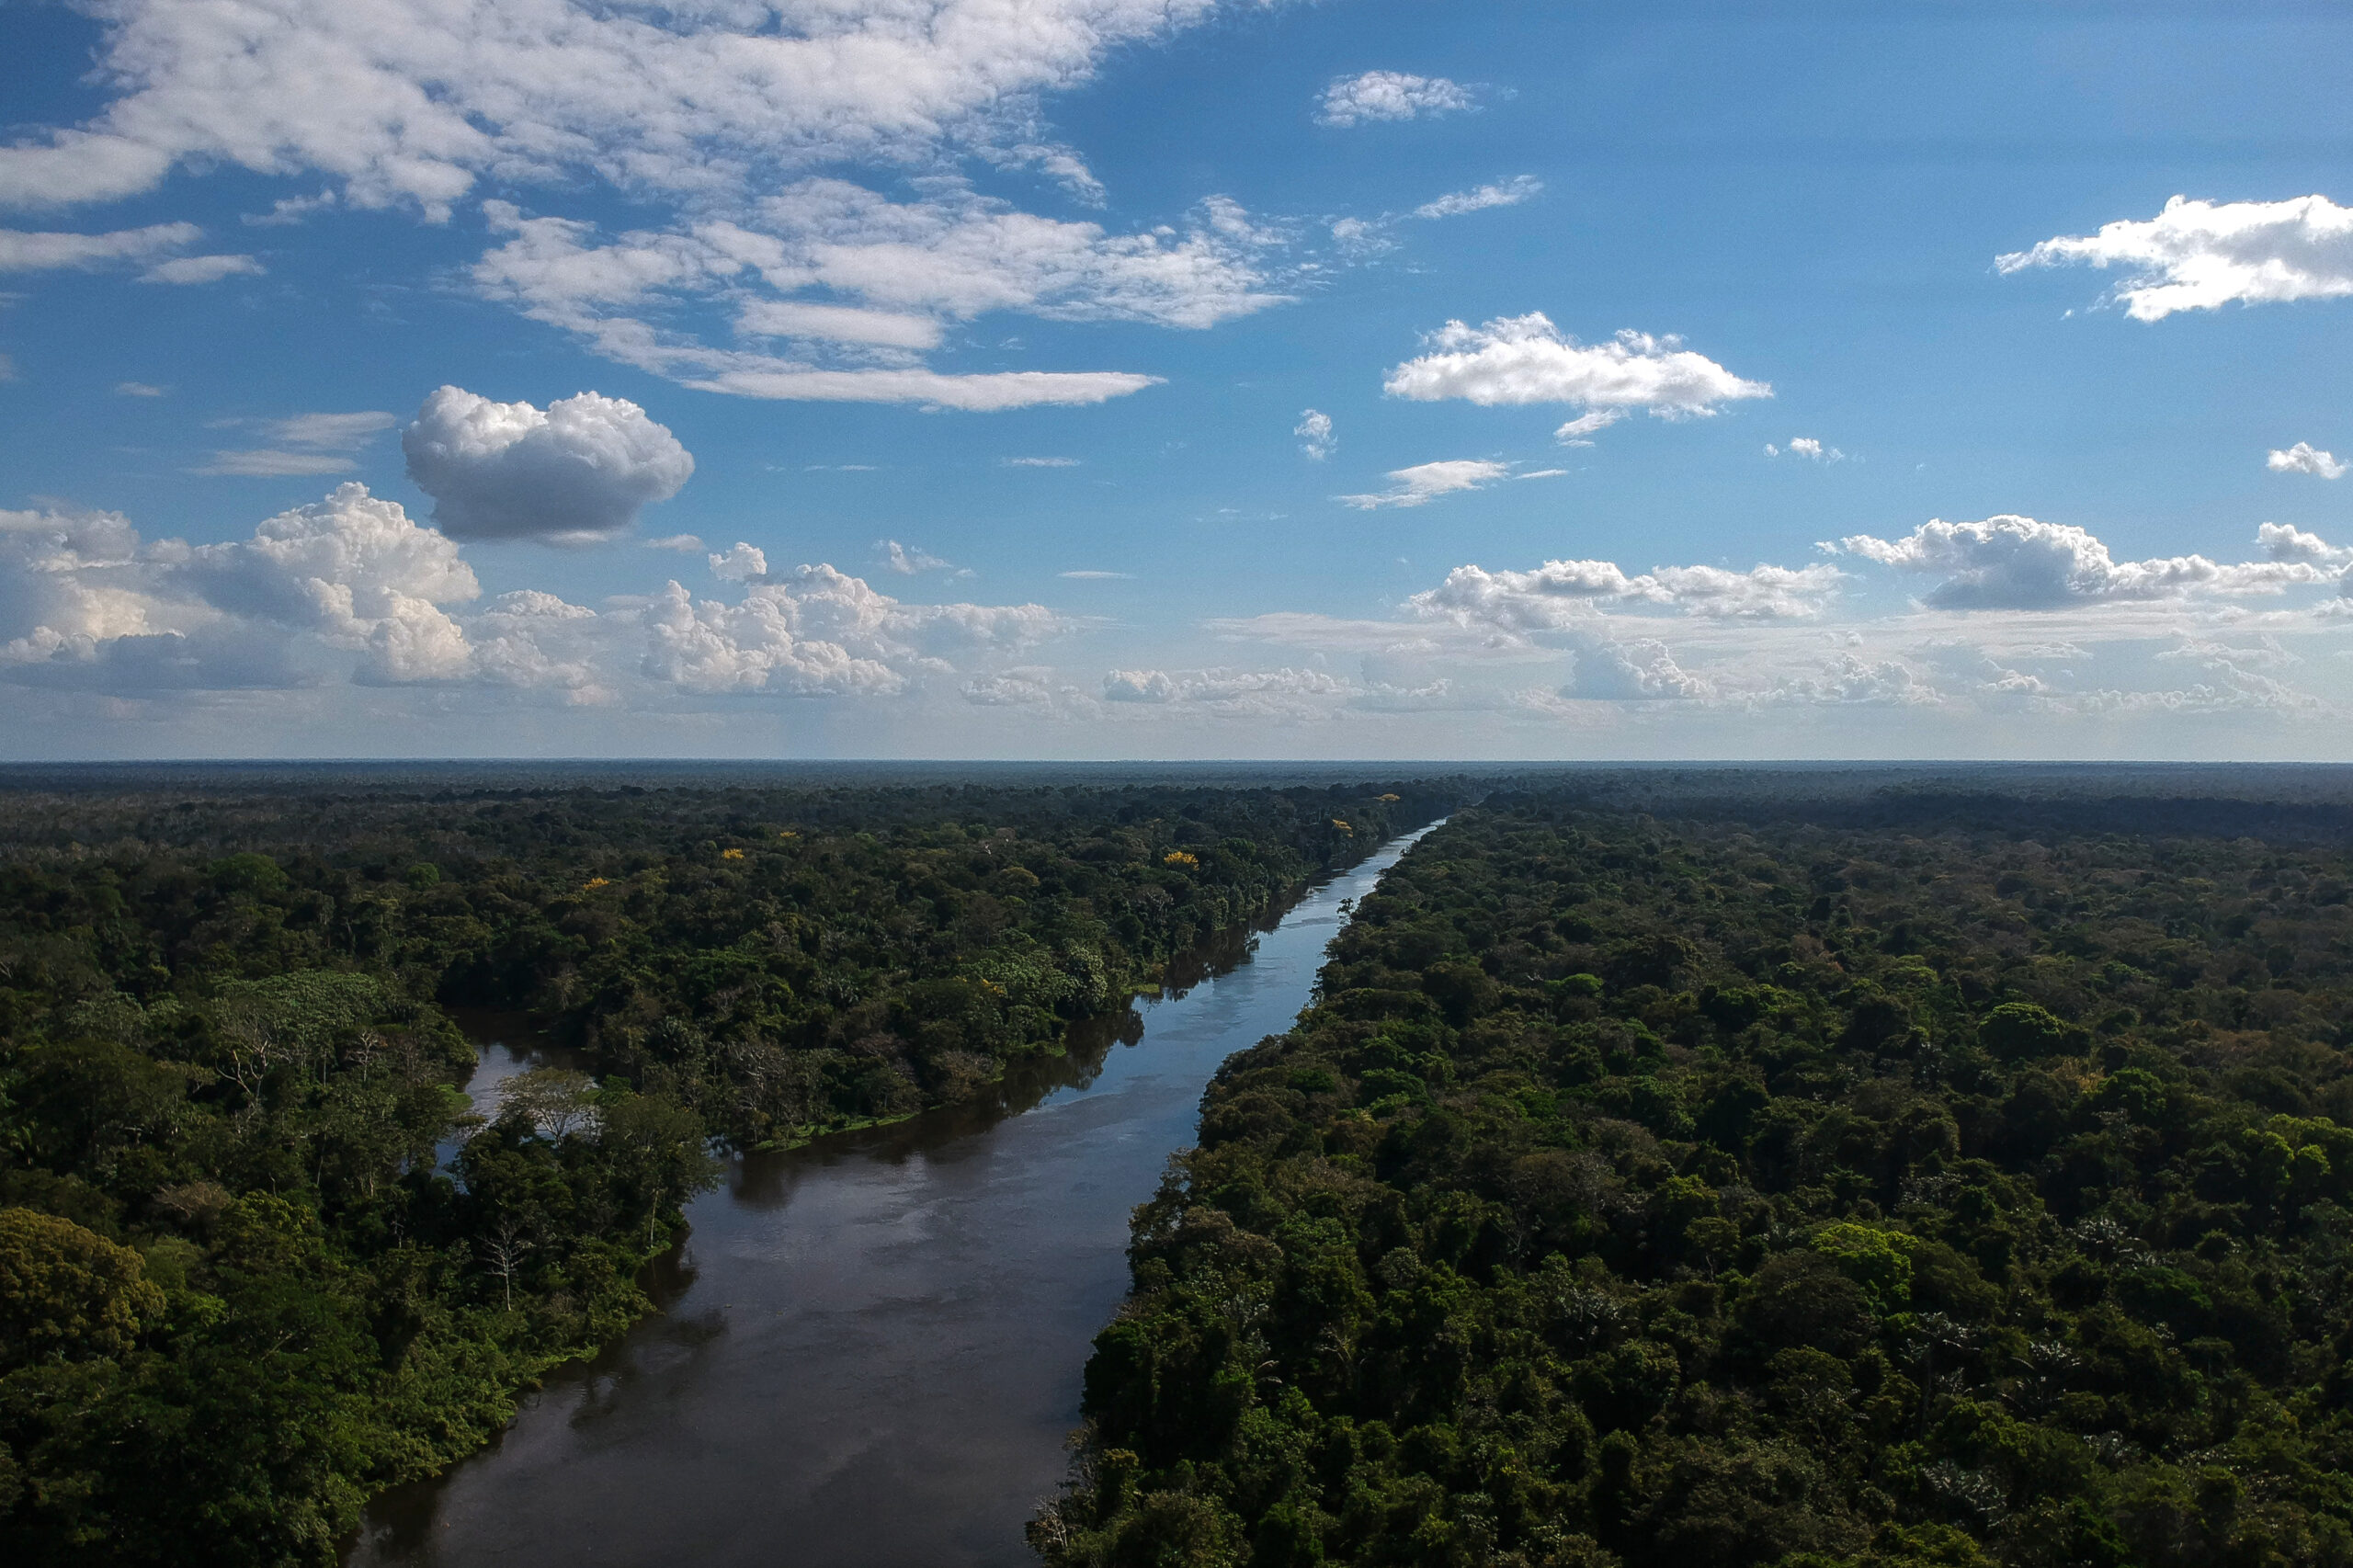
(869, 1351)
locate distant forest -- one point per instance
(240, 1289)
(1773, 1167)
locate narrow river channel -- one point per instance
(870, 1350)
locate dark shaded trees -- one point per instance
(1899, 1181)
(243, 1280)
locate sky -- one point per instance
(1168, 379)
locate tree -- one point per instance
(556, 1101)
(502, 1256)
(658, 1150)
(67, 1293)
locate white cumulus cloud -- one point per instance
(1279, 693)
(351, 589)
(819, 633)
(1561, 595)
(2303, 458)
(1526, 359)
(1850, 680)
(357, 570)
(2281, 543)
(575, 474)
(2200, 255)
(2014, 563)
(1639, 670)
(69, 579)
(1712, 640)
(1314, 433)
(740, 563)
(1033, 686)
(348, 584)
(1807, 448)
(1390, 94)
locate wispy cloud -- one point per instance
(906, 560)
(1365, 239)
(836, 292)
(1506, 193)
(1578, 432)
(332, 432)
(946, 258)
(29, 252)
(272, 464)
(198, 270)
(305, 443)
(1425, 483)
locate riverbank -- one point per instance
(229, 1077)
(873, 1349)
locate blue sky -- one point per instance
(1030, 292)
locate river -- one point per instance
(870, 1351)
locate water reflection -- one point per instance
(506, 1045)
(871, 1349)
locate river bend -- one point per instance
(871, 1348)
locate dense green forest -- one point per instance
(1669, 1173)
(257, 1260)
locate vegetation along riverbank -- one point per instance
(1763, 1174)
(238, 1291)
